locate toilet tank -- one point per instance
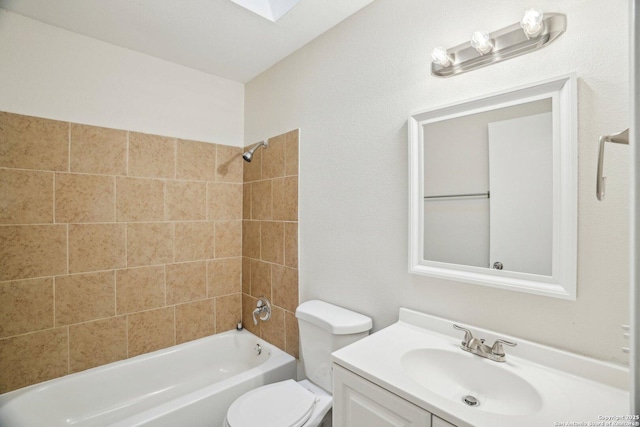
(325, 328)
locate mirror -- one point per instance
(493, 185)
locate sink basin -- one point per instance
(455, 375)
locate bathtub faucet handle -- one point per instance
(262, 311)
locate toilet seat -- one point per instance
(283, 404)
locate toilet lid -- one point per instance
(283, 404)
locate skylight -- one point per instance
(268, 9)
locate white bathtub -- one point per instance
(189, 385)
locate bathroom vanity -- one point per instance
(415, 373)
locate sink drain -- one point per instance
(470, 401)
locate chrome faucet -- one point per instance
(262, 311)
(477, 346)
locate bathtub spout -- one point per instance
(262, 311)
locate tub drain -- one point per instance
(470, 400)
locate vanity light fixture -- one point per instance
(534, 31)
(440, 56)
(481, 42)
(532, 22)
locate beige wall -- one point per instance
(270, 240)
(112, 244)
(350, 92)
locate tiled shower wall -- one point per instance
(116, 243)
(270, 240)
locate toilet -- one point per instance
(324, 328)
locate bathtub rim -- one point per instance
(276, 353)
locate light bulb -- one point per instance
(440, 56)
(532, 22)
(481, 42)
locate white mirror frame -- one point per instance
(562, 282)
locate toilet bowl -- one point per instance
(324, 328)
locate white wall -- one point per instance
(49, 72)
(351, 92)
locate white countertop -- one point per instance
(574, 388)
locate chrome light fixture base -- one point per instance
(508, 42)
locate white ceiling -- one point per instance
(215, 36)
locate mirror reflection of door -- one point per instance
(521, 187)
(475, 215)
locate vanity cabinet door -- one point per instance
(360, 403)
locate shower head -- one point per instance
(248, 155)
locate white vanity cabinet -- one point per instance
(360, 403)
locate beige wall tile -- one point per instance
(285, 199)
(224, 276)
(252, 171)
(83, 297)
(139, 289)
(246, 201)
(32, 358)
(273, 158)
(229, 164)
(224, 201)
(195, 241)
(291, 334)
(248, 305)
(228, 312)
(291, 153)
(285, 287)
(150, 331)
(273, 330)
(228, 239)
(186, 282)
(291, 244)
(260, 279)
(246, 275)
(26, 197)
(26, 306)
(33, 143)
(149, 243)
(186, 200)
(196, 160)
(98, 150)
(97, 343)
(262, 200)
(151, 155)
(195, 320)
(272, 242)
(251, 239)
(139, 199)
(84, 198)
(94, 247)
(32, 251)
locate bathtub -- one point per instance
(188, 385)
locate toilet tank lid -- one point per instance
(337, 320)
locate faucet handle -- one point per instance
(467, 335)
(497, 349)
